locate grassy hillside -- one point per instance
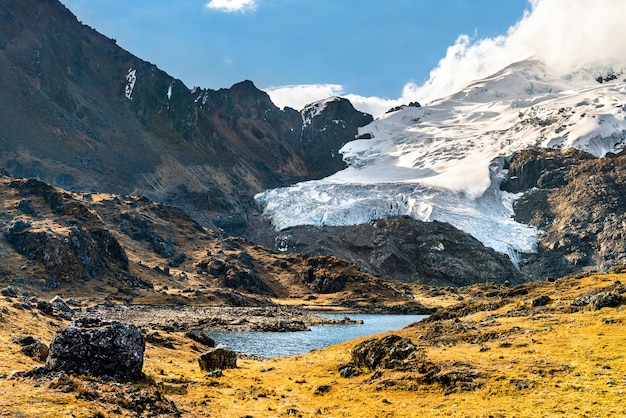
(499, 352)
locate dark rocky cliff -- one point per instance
(403, 248)
(578, 202)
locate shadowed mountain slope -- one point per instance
(80, 112)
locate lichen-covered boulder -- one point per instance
(95, 347)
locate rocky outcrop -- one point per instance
(578, 202)
(217, 359)
(401, 248)
(81, 248)
(327, 126)
(321, 276)
(542, 168)
(95, 347)
(234, 271)
(383, 353)
(599, 300)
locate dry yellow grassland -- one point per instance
(513, 360)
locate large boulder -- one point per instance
(217, 359)
(96, 347)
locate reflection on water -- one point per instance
(279, 344)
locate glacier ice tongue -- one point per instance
(487, 218)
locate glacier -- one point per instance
(444, 161)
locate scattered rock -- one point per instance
(215, 373)
(160, 246)
(59, 304)
(320, 390)
(348, 370)
(599, 300)
(520, 384)
(9, 291)
(156, 339)
(178, 260)
(37, 350)
(542, 300)
(45, 307)
(26, 206)
(200, 337)
(95, 347)
(283, 326)
(217, 359)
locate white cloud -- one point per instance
(565, 34)
(375, 106)
(231, 6)
(299, 96)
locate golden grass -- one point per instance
(548, 362)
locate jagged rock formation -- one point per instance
(404, 249)
(578, 202)
(324, 132)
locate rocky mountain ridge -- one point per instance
(82, 113)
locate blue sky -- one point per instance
(363, 47)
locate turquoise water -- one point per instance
(280, 344)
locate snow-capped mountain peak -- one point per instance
(443, 161)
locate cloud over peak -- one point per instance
(566, 35)
(232, 6)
